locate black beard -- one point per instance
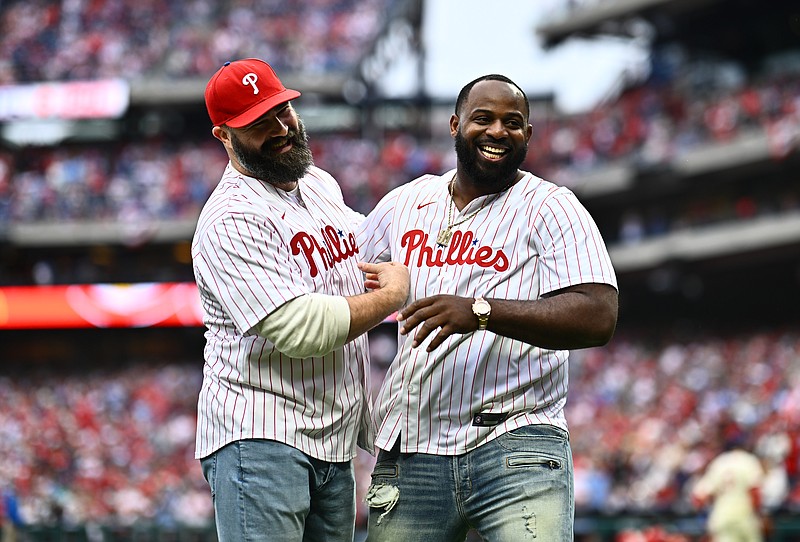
(273, 168)
(498, 176)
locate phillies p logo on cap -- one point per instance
(242, 91)
(251, 79)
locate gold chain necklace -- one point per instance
(443, 239)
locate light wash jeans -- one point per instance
(517, 487)
(265, 490)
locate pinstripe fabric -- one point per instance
(530, 240)
(255, 249)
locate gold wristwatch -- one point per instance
(482, 310)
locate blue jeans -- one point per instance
(517, 487)
(265, 490)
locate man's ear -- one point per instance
(220, 133)
(454, 125)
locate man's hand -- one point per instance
(451, 313)
(390, 277)
(388, 283)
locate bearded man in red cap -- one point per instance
(284, 400)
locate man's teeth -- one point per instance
(493, 151)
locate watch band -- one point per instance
(482, 310)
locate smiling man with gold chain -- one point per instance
(508, 273)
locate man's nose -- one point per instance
(497, 129)
(279, 127)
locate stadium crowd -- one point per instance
(69, 40)
(649, 127)
(115, 446)
(687, 103)
(647, 415)
(104, 446)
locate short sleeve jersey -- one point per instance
(529, 240)
(255, 248)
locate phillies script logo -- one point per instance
(462, 250)
(337, 248)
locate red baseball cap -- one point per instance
(242, 91)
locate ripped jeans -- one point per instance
(517, 487)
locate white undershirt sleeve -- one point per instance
(311, 325)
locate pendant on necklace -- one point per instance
(444, 237)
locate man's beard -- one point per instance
(283, 168)
(488, 175)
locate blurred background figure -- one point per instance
(9, 516)
(731, 486)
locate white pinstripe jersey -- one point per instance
(255, 249)
(532, 239)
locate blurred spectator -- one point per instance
(10, 520)
(731, 486)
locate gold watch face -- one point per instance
(481, 307)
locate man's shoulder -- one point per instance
(426, 186)
(322, 183)
(319, 173)
(426, 181)
(534, 183)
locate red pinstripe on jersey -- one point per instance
(530, 240)
(245, 268)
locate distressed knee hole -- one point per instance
(382, 496)
(530, 520)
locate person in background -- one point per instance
(10, 517)
(731, 486)
(508, 273)
(284, 399)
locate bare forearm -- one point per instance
(575, 318)
(370, 309)
(579, 316)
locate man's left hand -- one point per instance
(448, 313)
